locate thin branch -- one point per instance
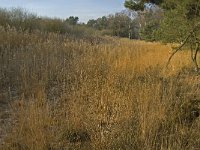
(179, 48)
(184, 42)
(196, 52)
(195, 57)
(192, 43)
(191, 50)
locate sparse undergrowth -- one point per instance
(94, 94)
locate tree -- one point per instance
(149, 23)
(181, 23)
(119, 24)
(72, 20)
(91, 23)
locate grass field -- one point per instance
(99, 94)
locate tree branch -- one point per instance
(179, 48)
(184, 42)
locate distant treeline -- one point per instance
(131, 24)
(23, 20)
(127, 24)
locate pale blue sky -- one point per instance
(84, 9)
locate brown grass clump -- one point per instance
(71, 94)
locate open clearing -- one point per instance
(61, 93)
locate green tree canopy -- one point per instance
(72, 20)
(180, 24)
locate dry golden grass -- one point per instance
(115, 94)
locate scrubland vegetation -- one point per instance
(64, 85)
(114, 94)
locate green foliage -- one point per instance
(91, 23)
(150, 24)
(134, 5)
(148, 33)
(118, 24)
(180, 24)
(173, 30)
(169, 4)
(100, 23)
(180, 16)
(72, 20)
(139, 4)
